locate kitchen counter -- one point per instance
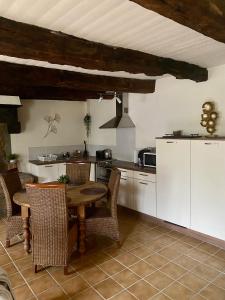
(92, 159)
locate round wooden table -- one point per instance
(77, 196)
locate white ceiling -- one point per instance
(119, 23)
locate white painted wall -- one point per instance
(31, 114)
(176, 104)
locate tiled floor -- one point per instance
(153, 263)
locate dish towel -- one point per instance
(5, 286)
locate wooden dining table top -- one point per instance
(76, 194)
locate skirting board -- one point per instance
(189, 232)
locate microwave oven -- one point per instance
(149, 159)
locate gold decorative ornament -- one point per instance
(207, 107)
(209, 117)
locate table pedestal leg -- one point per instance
(81, 216)
(26, 228)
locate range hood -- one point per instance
(122, 118)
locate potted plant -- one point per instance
(87, 123)
(12, 158)
(64, 179)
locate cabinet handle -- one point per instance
(143, 183)
(170, 142)
(143, 175)
(123, 178)
(48, 166)
(210, 143)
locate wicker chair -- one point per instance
(53, 236)
(11, 184)
(103, 220)
(79, 172)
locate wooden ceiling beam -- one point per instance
(31, 42)
(22, 76)
(50, 93)
(204, 16)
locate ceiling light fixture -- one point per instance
(115, 97)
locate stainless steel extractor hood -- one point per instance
(122, 118)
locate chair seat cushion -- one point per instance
(97, 212)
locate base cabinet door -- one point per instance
(173, 181)
(48, 173)
(208, 187)
(61, 169)
(125, 196)
(144, 197)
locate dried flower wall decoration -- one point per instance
(52, 124)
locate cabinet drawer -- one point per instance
(126, 173)
(145, 176)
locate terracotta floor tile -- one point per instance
(113, 251)
(127, 259)
(22, 292)
(54, 293)
(176, 291)
(16, 279)
(2, 250)
(197, 297)
(10, 268)
(18, 254)
(220, 281)
(159, 280)
(29, 273)
(208, 248)
(24, 263)
(170, 252)
(198, 254)
(108, 288)
(111, 266)
(142, 268)
(173, 270)
(176, 234)
(216, 262)
(94, 275)
(74, 285)
(181, 246)
(4, 259)
(143, 290)
(42, 283)
(193, 282)
(141, 252)
(157, 260)
(190, 240)
(160, 296)
(163, 229)
(124, 296)
(129, 244)
(88, 294)
(99, 258)
(126, 278)
(186, 262)
(205, 272)
(212, 292)
(221, 254)
(58, 274)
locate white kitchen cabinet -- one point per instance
(92, 172)
(208, 187)
(173, 180)
(46, 173)
(61, 169)
(125, 196)
(144, 197)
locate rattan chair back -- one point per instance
(79, 173)
(49, 223)
(11, 184)
(113, 186)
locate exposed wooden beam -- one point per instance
(204, 16)
(50, 93)
(32, 42)
(17, 75)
